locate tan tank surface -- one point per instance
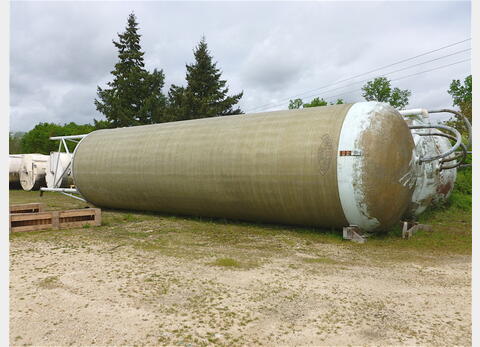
(329, 166)
(32, 171)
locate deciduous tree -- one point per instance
(380, 90)
(38, 140)
(462, 97)
(298, 103)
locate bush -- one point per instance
(461, 197)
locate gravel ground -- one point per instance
(101, 293)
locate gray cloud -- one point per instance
(60, 52)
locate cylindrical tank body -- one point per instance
(58, 162)
(15, 162)
(32, 171)
(432, 184)
(446, 177)
(328, 166)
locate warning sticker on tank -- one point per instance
(354, 153)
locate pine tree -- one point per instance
(153, 108)
(206, 93)
(134, 96)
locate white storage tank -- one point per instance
(15, 163)
(32, 171)
(58, 163)
(446, 177)
(433, 184)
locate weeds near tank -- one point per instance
(452, 227)
(129, 218)
(253, 245)
(462, 193)
(227, 262)
(451, 221)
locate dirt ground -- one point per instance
(111, 296)
(147, 282)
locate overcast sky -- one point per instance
(60, 52)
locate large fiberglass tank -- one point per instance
(328, 166)
(32, 171)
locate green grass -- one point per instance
(254, 244)
(451, 222)
(462, 194)
(227, 262)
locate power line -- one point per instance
(403, 77)
(365, 73)
(385, 74)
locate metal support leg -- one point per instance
(354, 233)
(409, 228)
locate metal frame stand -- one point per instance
(57, 180)
(355, 234)
(410, 228)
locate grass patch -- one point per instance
(451, 223)
(50, 282)
(252, 244)
(226, 262)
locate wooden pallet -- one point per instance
(27, 208)
(55, 219)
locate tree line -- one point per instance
(135, 96)
(379, 89)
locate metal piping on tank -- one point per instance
(460, 115)
(424, 113)
(462, 155)
(436, 171)
(458, 137)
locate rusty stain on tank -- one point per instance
(445, 188)
(375, 181)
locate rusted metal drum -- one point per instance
(58, 162)
(330, 166)
(32, 171)
(15, 162)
